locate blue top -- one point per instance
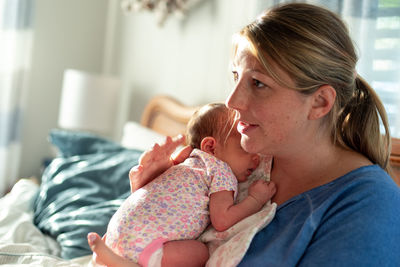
(351, 221)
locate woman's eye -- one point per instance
(257, 83)
(235, 76)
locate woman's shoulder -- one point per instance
(362, 190)
(370, 179)
(360, 194)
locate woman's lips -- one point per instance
(244, 127)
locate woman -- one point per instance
(299, 98)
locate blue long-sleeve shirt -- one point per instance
(351, 221)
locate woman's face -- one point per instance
(272, 118)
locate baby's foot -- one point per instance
(103, 255)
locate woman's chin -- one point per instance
(248, 145)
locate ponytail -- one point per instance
(358, 125)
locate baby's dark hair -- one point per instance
(215, 120)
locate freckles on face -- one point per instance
(270, 114)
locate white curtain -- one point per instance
(15, 50)
(375, 28)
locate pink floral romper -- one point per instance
(174, 206)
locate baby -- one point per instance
(158, 224)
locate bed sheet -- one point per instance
(21, 242)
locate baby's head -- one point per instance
(212, 129)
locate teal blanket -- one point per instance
(82, 188)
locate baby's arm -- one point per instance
(156, 160)
(224, 213)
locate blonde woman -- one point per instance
(300, 99)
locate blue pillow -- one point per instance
(82, 188)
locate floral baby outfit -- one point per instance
(174, 206)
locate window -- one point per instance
(380, 56)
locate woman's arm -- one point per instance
(157, 160)
(224, 213)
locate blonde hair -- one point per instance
(215, 120)
(313, 46)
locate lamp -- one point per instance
(88, 102)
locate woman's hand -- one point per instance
(157, 160)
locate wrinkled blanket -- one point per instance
(82, 188)
(80, 191)
(21, 242)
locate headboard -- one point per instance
(395, 159)
(167, 115)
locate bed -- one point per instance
(47, 224)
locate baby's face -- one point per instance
(241, 162)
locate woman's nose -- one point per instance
(236, 99)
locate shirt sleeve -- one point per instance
(220, 176)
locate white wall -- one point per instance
(67, 34)
(188, 59)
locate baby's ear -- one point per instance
(208, 145)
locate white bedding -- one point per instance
(23, 244)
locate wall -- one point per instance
(188, 59)
(68, 34)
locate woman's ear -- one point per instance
(208, 145)
(322, 102)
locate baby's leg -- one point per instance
(184, 253)
(103, 255)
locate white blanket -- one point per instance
(22, 244)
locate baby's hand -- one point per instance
(262, 191)
(160, 154)
(155, 161)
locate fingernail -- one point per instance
(92, 237)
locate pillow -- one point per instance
(82, 188)
(139, 137)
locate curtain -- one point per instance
(375, 29)
(15, 50)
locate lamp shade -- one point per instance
(88, 102)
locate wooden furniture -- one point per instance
(395, 159)
(166, 115)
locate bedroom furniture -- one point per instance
(166, 115)
(395, 159)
